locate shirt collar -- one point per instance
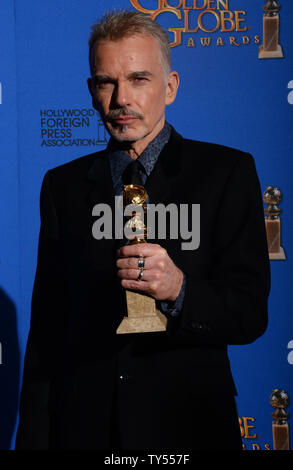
(119, 159)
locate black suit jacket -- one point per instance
(82, 381)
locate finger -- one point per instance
(132, 263)
(133, 274)
(131, 284)
(150, 288)
(140, 250)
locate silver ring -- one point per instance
(141, 263)
(140, 274)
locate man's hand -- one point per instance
(161, 278)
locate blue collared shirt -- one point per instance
(119, 160)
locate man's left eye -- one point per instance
(139, 79)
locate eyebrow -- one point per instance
(103, 78)
(143, 73)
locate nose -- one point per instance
(122, 94)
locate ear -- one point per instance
(172, 87)
(92, 93)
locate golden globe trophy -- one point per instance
(273, 196)
(271, 25)
(280, 400)
(142, 313)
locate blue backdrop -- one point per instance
(227, 95)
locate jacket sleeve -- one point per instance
(47, 312)
(229, 306)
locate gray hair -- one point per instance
(117, 25)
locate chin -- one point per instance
(123, 134)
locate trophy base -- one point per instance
(142, 316)
(280, 255)
(277, 54)
(142, 324)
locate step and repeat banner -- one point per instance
(236, 89)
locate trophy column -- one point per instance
(142, 313)
(279, 400)
(271, 25)
(273, 196)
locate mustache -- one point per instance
(125, 111)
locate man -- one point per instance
(84, 386)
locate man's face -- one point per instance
(130, 88)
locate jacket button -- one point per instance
(196, 326)
(200, 327)
(124, 376)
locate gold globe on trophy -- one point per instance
(135, 195)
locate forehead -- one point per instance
(131, 52)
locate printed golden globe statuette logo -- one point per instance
(273, 196)
(280, 400)
(142, 313)
(271, 26)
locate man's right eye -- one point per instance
(103, 85)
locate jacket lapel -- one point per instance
(167, 171)
(100, 176)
